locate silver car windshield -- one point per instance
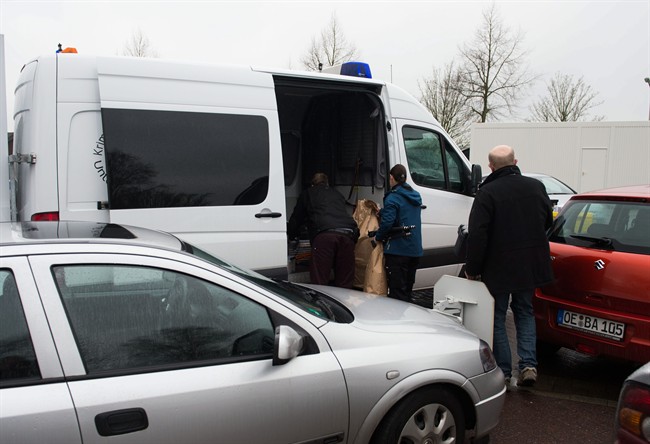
(554, 186)
(312, 301)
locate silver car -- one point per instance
(120, 333)
(633, 409)
(557, 191)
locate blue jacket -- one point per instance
(402, 206)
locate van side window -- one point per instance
(159, 159)
(432, 166)
(17, 357)
(454, 169)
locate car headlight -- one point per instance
(487, 358)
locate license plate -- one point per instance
(591, 324)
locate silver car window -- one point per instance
(17, 357)
(127, 317)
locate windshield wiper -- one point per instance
(602, 241)
(311, 296)
(315, 298)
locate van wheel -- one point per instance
(431, 415)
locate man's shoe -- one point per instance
(527, 377)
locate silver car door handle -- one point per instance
(119, 422)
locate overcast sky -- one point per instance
(606, 42)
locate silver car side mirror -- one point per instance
(288, 344)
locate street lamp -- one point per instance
(647, 80)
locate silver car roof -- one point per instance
(23, 233)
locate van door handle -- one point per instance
(119, 422)
(271, 214)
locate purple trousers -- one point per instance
(329, 251)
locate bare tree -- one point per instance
(494, 70)
(441, 95)
(139, 46)
(568, 100)
(330, 49)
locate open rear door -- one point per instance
(4, 153)
(195, 150)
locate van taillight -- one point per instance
(39, 217)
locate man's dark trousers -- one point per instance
(332, 250)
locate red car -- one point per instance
(599, 302)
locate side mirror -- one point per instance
(475, 179)
(288, 344)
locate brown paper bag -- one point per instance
(376, 278)
(365, 215)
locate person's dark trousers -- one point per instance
(401, 275)
(332, 250)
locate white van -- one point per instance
(218, 155)
(4, 167)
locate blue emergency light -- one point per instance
(354, 69)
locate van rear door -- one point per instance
(195, 150)
(81, 163)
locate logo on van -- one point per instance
(98, 150)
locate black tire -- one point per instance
(429, 415)
(546, 349)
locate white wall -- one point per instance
(584, 155)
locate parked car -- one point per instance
(110, 330)
(558, 191)
(633, 410)
(599, 302)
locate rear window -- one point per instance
(603, 224)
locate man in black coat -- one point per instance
(333, 232)
(508, 250)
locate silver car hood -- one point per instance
(386, 315)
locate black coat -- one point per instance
(507, 243)
(321, 208)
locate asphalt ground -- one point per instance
(573, 402)
(534, 416)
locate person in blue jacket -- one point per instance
(402, 247)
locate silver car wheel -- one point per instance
(431, 424)
(431, 415)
